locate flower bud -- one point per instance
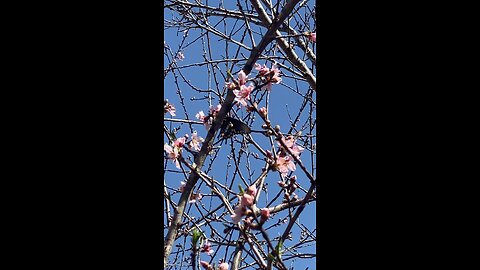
(223, 266)
(263, 111)
(265, 214)
(205, 264)
(247, 200)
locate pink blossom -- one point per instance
(238, 213)
(195, 197)
(265, 214)
(168, 108)
(182, 186)
(195, 142)
(223, 266)
(313, 37)
(262, 70)
(207, 247)
(231, 85)
(246, 200)
(200, 115)
(274, 78)
(205, 119)
(243, 94)
(173, 154)
(179, 142)
(252, 190)
(205, 264)
(276, 74)
(180, 56)
(215, 110)
(242, 78)
(294, 148)
(285, 164)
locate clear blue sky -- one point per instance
(282, 101)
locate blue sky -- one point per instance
(282, 102)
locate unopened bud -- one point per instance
(205, 264)
(263, 112)
(265, 214)
(223, 266)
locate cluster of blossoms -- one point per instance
(246, 201)
(207, 266)
(173, 151)
(168, 108)
(285, 162)
(294, 148)
(194, 143)
(268, 76)
(242, 94)
(264, 215)
(208, 119)
(207, 248)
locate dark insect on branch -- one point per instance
(232, 126)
